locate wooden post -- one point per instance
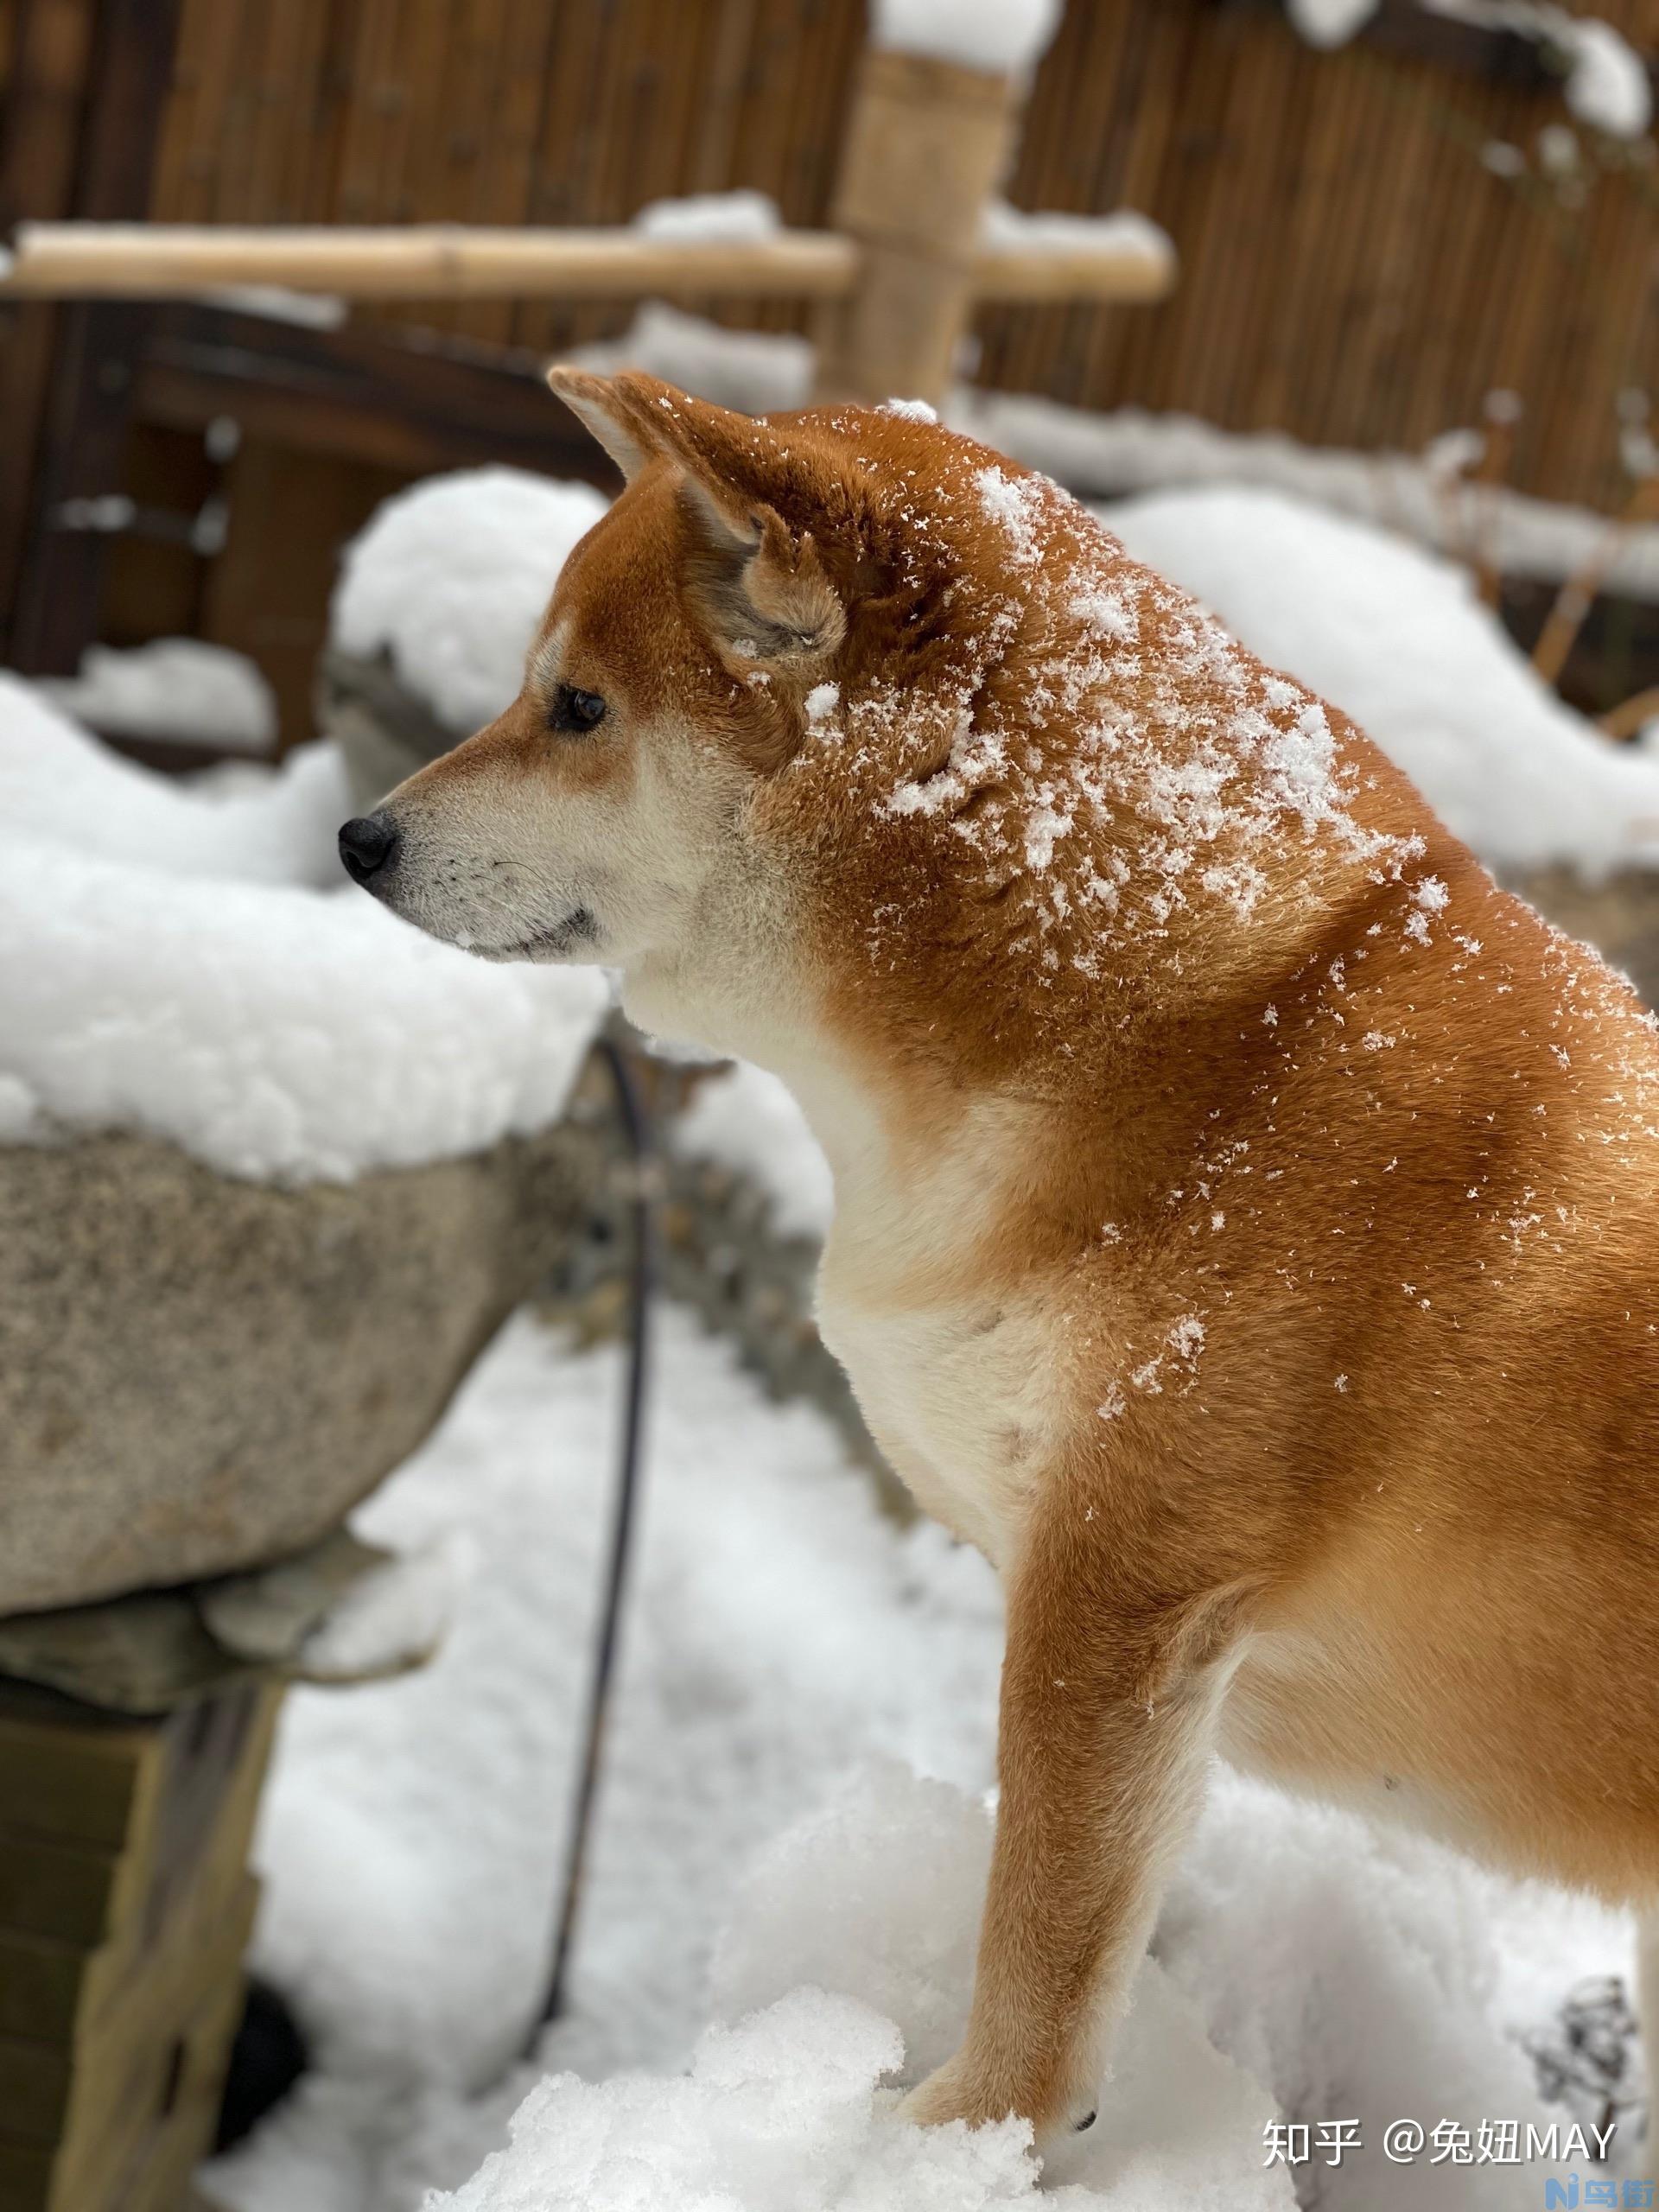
(928, 142)
(125, 1903)
(51, 49)
(424, 261)
(58, 573)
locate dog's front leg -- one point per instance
(1109, 1687)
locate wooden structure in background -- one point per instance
(452, 261)
(927, 144)
(1352, 273)
(86, 84)
(125, 1903)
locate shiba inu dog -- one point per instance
(1247, 1216)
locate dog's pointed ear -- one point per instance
(747, 499)
(603, 407)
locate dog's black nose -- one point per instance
(366, 845)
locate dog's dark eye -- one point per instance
(576, 710)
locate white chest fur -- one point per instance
(959, 1385)
(960, 1398)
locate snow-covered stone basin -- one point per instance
(273, 1167)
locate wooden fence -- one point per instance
(1352, 269)
(1351, 272)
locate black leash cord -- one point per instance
(637, 1129)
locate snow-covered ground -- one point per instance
(794, 1662)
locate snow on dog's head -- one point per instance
(842, 696)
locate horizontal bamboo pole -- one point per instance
(443, 261)
(1073, 272)
(420, 261)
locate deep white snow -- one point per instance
(791, 1655)
(743, 217)
(1128, 450)
(450, 579)
(183, 689)
(169, 963)
(1331, 22)
(57, 782)
(1006, 35)
(1015, 230)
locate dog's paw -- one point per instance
(948, 2093)
(961, 2090)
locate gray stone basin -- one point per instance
(199, 1374)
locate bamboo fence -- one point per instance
(1351, 272)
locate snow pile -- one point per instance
(756, 371)
(180, 689)
(1017, 230)
(787, 1646)
(1360, 1969)
(1331, 22)
(787, 2106)
(780, 1629)
(1607, 82)
(1399, 640)
(742, 218)
(57, 783)
(1006, 36)
(171, 967)
(877, 1899)
(450, 580)
(1130, 450)
(778, 2110)
(746, 1120)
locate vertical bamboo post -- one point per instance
(928, 142)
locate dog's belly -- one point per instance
(960, 1399)
(1380, 1718)
(1290, 1719)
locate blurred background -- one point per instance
(1373, 239)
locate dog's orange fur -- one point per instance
(1313, 1180)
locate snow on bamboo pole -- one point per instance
(1116, 268)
